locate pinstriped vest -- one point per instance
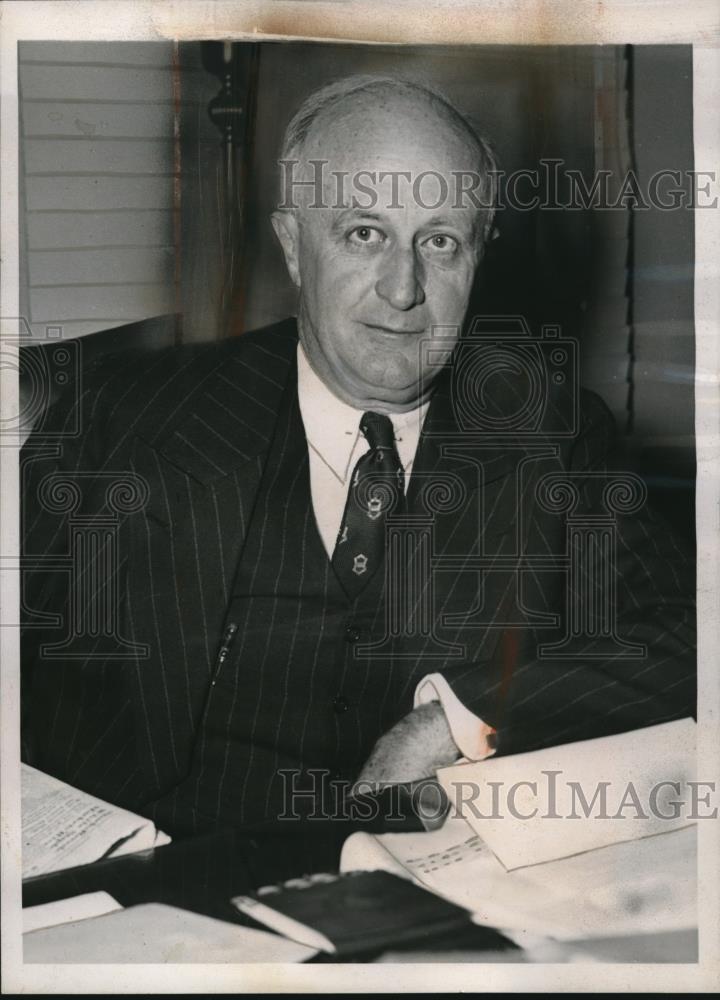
(290, 700)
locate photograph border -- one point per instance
(552, 22)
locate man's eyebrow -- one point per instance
(359, 213)
(442, 220)
(355, 213)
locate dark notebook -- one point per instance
(353, 912)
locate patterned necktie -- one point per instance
(377, 488)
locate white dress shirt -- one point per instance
(335, 443)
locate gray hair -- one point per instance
(330, 96)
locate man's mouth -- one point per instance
(394, 330)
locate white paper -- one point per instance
(497, 796)
(637, 887)
(154, 933)
(63, 911)
(63, 826)
(283, 924)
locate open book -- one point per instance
(63, 827)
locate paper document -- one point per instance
(153, 933)
(63, 826)
(552, 803)
(642, 886)
(64, 911)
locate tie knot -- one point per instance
(378, 430)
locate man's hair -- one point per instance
(329, 97)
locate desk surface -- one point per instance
(203, 873)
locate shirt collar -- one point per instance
(332, 427)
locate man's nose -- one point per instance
(400, 283)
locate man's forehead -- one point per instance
(394, 154)
(395, 134)
(396, 192)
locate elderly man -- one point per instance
(255, 655)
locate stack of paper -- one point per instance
(63, 826)
(564, 800)
(561, 877)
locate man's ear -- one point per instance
(287, 231)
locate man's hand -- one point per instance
(412, 750)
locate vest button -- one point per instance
(352, 633)
(340, 704)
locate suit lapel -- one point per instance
(232, 419)
(478, 463)
(494, 475)
(203, 473)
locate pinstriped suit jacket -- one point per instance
(193, 425)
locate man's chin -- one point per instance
(397, 392)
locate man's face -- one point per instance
(378, 279)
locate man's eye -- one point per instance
(440, 243)
(366, 235)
